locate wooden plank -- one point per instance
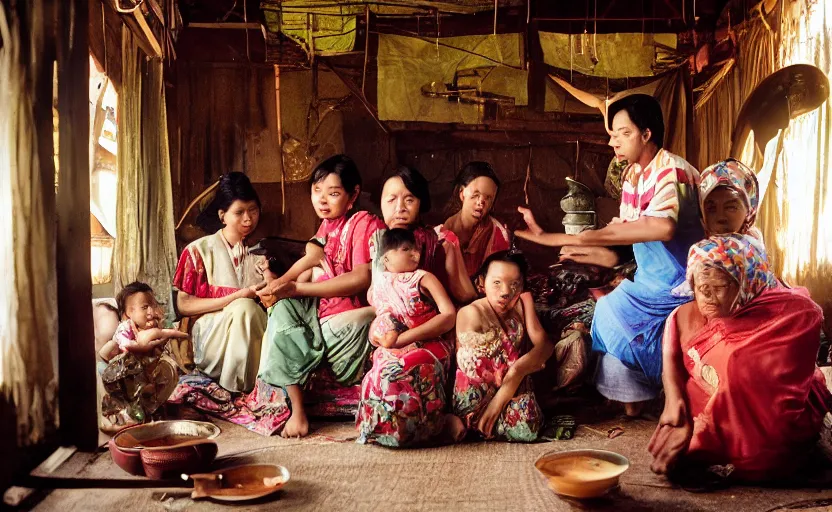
(147, 33)
(76, 351)
(574, 124)
(440, 141)
(537, 69)
(230, 26)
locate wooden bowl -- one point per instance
(127, 446)
(582, 473)
(240, 483)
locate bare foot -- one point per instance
(453, 431)
(298, 423)
(634, 410)
(296, 426)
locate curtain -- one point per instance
(796, 213)
(28, 308)
(715, 118)
(145, 248)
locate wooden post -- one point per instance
(76, 350)
(537, 69)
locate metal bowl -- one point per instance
(164, 433)
(582, 473)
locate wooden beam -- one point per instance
(156, 10)
(76, 352)
(147, 34)
(228, 26)
(537, 69)
(414, 141)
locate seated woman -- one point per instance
(404, 197)
(478, 232)
(216, 279)
(728, 197)
(325, 320)
(492, 392)
(739, 368)
(413, 311)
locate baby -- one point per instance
(138, 377)
(139, 331)
(403, 295)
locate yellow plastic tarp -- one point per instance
(332, 28)
(405, 64)
(616, 55)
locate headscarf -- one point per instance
(740, 257)
(734, 175)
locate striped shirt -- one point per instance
(658, 190)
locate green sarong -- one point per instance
(297, 342)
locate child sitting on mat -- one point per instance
(138, 377)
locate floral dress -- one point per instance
(403, 394)
(483, 358)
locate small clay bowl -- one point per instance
(167, 462)
(239, 483)
(126, 446)
(582, 473)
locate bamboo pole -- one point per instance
(280, 138)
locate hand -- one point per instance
(286, 290)
(274, 292)
(149, 338)
(572, 253)
(528, 218)
(617, 220)
(492, 413)
(389, 339)
(173, 333)
(667, 445)
(248, 292)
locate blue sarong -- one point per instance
(629, 322)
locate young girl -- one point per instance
(492, 388)
(324, 321)
(138, 377)
(479, 233)
(412, 311)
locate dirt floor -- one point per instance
(329, 471)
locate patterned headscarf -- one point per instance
(737, 176)
(740, 257)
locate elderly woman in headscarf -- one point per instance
(728, 200)
(742, 389)
(729, 197)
